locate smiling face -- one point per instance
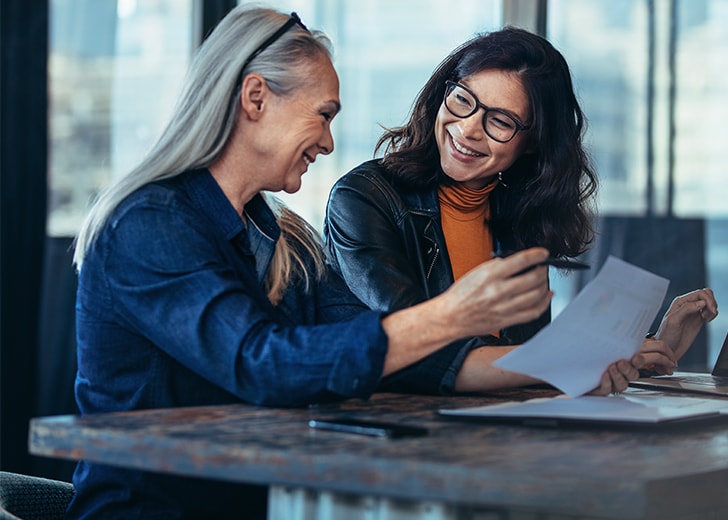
(298, 127)
(467, 154)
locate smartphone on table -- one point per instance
(390, 430)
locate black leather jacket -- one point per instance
(390, 248)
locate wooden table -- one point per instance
(460, 470)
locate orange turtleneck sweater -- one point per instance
(463, 212)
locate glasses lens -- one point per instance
(499, 126)
(462, 103)
(459, 101)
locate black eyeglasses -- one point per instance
(292, 20)
(461, 102)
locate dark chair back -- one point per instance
(25, 497)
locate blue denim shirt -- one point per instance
(172, 311)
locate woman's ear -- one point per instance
(253, 93)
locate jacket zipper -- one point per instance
(432, 263)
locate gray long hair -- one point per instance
(204, 118)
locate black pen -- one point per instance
(559, 263)
(564, 263)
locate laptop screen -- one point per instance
(721, 364)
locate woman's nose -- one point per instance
(472, 126)
(327, 142)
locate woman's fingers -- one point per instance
(616, 378)
(621, 373)
(700, 302)
(502, 292)
(654, 350)
(654, 361)
(605, 385)
(521, 262)
(685, 317)
(706, 303)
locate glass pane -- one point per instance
(651, 82)
(701, 108)
(605, 44)
(384, 52)
(114, 71)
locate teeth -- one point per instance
(306, 160)
(465, 150)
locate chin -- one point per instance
(457, 175)
(292, 189)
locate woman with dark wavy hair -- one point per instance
(547, 182)
(490, 161)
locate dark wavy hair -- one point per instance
(546, 199)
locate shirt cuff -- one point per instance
(358, 369)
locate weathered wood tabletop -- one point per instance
(589, 472)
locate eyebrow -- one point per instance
(504, 110)
(337, 105)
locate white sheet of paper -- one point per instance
(628, 407)
(605, 322)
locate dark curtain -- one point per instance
(57, 332)
(23, 156)
(56, 366)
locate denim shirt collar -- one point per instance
(263, 233)
(257, 239)
(208, 197)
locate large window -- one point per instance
(114, 70)
(650, 76)
(648, 72)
